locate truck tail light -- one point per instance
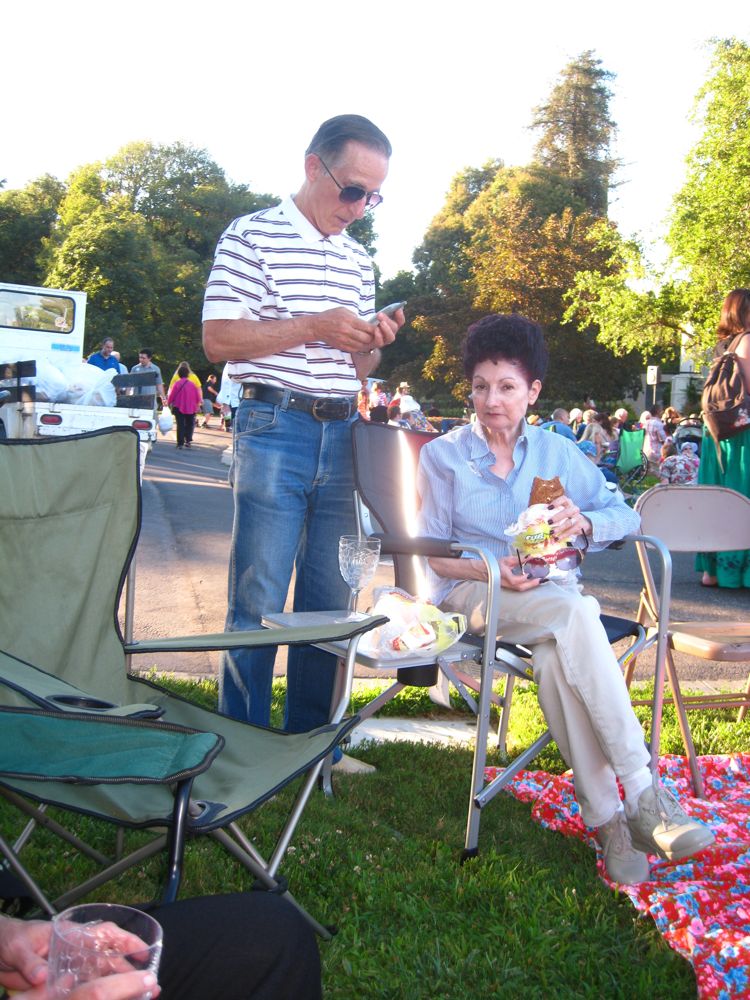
(143, 425)
(50, 419)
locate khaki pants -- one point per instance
(581, 688)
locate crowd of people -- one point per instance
(190, 407)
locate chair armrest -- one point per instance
(298, 636)
(86, 749)
(422, 545)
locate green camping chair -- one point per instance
(632, 464)
(70, 512)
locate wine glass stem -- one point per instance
(353, 601)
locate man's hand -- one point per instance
(23, 952)
(123, 986)
(341, 329)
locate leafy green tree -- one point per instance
(577, 132)
(709, 232)
(27, 216)
(112, 257)
(636, 307)
(633, 308)
(166, 205)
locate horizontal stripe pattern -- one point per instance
(274, 265)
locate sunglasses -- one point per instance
(538, 568)
(351, 192)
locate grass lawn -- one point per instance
(380, 861)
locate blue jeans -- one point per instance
(293, 485)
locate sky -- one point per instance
(452, 85)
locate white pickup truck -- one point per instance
(41, 330)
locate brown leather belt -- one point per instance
(321, 407)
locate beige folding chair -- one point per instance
(693, 519)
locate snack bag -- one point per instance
(531, 535)
(414, 626)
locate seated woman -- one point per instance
(474, 482)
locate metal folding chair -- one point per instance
(691, 519)
(385, 466)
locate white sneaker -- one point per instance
(624, 864)
(352, 765)
(659, 825)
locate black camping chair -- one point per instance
(385, 466)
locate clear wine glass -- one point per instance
(358, 561)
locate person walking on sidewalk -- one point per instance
(285, 303)
(185, 400)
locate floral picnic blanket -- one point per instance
(702, 905)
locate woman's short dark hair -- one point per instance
(507, 337)
(379, 414)
(394, 411)
(334, 134)
(183, 369)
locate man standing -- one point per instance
(284, 304)
(146, 364)
(103, 358)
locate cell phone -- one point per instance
(387, 311)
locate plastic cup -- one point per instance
(94, 940)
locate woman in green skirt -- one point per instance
(729, 569)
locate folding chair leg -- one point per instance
(687, 737)
(382, 699)
(253, 862)
(40, 817)
(743, 708)
(155, 846)
(502, 729)
(18, 869)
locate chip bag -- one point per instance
(414, 626)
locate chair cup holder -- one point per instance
(81, 701)
(418, 676)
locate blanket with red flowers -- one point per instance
(701, 905)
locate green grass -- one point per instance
(380, 860)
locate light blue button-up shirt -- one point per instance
(462, 500)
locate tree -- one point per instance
(27, 216)
(576, 132)
(111, 256)
(656, 312)
(709, 232)
(633, 307)
(137, 233)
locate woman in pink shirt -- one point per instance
(185, 400)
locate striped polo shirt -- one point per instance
(274, 264)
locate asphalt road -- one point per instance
(183, 553)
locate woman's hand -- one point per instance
(511, 577)
(566, 519)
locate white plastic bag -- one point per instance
(90, 386)
(165, 421)
(51, 383)
(414, 626)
